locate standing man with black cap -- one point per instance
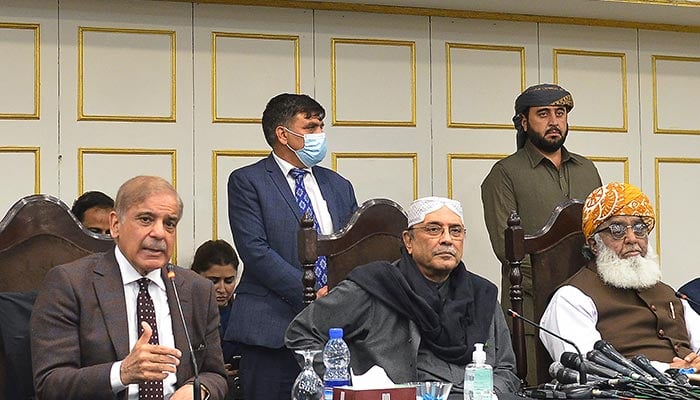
(541, 174)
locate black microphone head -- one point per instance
(599, 358)
(570, 359)
(612, 353)
(643, 362)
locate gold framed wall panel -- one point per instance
(479, 47)
(216, 118)
(624, 160)
(119, 151)
(623, 72)
(215, 154)
(37, 161)
(466, 156)
(35, 114)
(655, 88)
(334, 82)
(413, 157)
(684, 204)
(83, 116)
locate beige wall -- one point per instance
(98, 91)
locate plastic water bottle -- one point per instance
(478, 376)
(336, 358)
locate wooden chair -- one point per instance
(555, 254)
(37, 233)
(373, 234)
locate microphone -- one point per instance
(582, 367)
(599, 358)
(563, 374)
(610, 352)
(688, 299)
(643, 362)
(196, 386)
(571, 360)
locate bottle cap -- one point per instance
(479, 356)
(335, 333)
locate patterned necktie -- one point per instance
(304, 204)
(147, 312)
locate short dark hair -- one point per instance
(214, 252)
(282, 108)
(88, 200)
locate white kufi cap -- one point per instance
(424, 206)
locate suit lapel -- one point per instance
(184, 289)
(109, 290)
(280, 182)
(328, 195)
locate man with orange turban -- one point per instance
(618, 296)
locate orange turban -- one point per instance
(615, 199)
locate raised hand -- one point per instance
(148, 362)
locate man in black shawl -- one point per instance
(419, 317)
(540, 175)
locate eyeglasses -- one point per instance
(618, 230)
(434, 230)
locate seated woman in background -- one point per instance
(217, 261)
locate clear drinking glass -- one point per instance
(308, 385)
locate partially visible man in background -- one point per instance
(92, 210)
(540, 175)
(266, 201)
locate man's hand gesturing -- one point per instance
(148, 362)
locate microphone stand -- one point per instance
(196, 386)
(582, 368)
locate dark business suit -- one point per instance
(79, 329)
(264, 220)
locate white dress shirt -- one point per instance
(156, 289)
(573, 315)
(323, 216)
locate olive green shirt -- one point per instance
(530, 184)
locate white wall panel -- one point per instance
(23, 162)
(379, 116)
(395, 173)
(126, 74)
(676, 191)
(148, 125)
(20, 43)
(28, 99)
(675, 77)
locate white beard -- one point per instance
(636, 272)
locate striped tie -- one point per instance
(304, 204)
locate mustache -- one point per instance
(445, 249)
(157, 245)
(553, 130)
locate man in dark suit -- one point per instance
(89, 337)
(265, 207)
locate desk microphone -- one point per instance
(196, 386)
(642, 362)
(610, 352)
(686, 298)
(582, 367)
(571, 360)
(599, 358)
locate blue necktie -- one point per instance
(304, 204)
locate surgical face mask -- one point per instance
(314, 148)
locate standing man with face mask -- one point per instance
(266, 202)
(541, 174)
